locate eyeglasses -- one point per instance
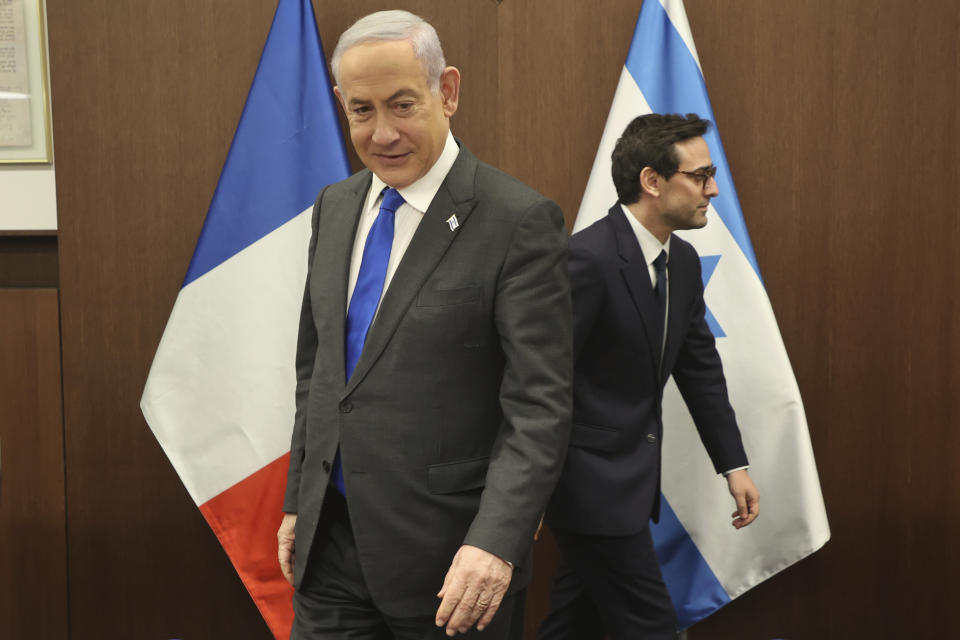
(702, 175)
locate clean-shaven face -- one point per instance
(684, 199)
(397, 124)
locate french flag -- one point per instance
(706, 563)
(220, 394)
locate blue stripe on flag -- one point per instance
(708, 266)
(287, 146)
(670, 80)
(694, 589)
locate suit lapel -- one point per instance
(428, 246)
(339, 217)
(636, 275)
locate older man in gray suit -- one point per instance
(433, 366)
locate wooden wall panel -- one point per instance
(840, 129)
(839, 121)
(559, 67)
(146, 97)
(28, 260)
(33, 540)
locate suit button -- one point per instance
(346, 406)
(326, 466)
(651, 438)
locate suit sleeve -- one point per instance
(306, 355)
(699, 376)
(532, 318)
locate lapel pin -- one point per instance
(453, 222)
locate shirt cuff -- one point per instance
(728, 472)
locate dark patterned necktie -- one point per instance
(660, 266)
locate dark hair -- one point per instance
(648, 142)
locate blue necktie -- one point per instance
(367, 291)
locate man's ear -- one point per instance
(336, 92)
(450, 90)
(651, 182)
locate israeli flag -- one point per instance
(706, 562)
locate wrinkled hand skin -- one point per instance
(472, 590)
(746, 496)
(286, 550)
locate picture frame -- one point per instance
(25, 123)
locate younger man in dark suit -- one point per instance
(638, 318)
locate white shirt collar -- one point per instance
(649, 244)
(420, 194)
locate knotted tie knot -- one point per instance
(391, 200)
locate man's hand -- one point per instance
(745, 493)
(472, 590)
(285, 546)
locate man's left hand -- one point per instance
(472, 590)
(747, 497)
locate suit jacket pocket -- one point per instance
(454, 477)
(448, 297)
(591, 436)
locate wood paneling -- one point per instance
(28, 260)
(839, 122)
(559, 66)
(146, 97)
(33, 541)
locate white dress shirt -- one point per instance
(650, 246)
(417, 198)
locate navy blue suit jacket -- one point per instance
(610, 484)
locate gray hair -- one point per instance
(393, 26)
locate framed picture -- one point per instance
(24, 89)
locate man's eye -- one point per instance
(404, 106)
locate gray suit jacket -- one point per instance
(454, 425)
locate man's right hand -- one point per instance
(285, 546)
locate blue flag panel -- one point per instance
(287, 146)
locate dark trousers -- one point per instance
(608, 586)
(333, 602)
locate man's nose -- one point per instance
(384, 133)
(711, 189)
